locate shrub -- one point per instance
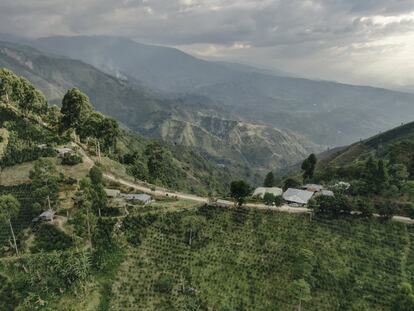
(331, 206)
(49, 238)
(365, 207)
(71, 159)
(164, 284)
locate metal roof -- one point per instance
(137, 197)
(297, 196)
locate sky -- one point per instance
(368, 42)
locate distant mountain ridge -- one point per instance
(191, 120)
(327, 113)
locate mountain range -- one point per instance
(327, 113)
(233, 113)
(190, 120)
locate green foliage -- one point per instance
(161, 168)
(75, 110)
(386, 210)
(71, 159)
(240, 190)
(192, 227)
(269, 198)
(269, 180)
(17, 90)
(9, 295)
(301, 291)
(49, 238)
(164, 284)
(45, 181)
(308, 167)
(9, 207)
(404, 300)
(331, 206)
(291, 183)
(364, 206)
(50, 273)
(249, 260)
(95, 174)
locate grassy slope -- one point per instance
(247, 262)
(359, 149)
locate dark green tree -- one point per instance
(291, 183)
(95, 174)
(75, 110)
(240, 190)
(365, 207)
(269, 198)
(269, 180)
(308, 167)
(45, 181)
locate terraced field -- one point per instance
(247, 260)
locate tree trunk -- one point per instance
(191, 237)
(99, 152)
(14, 238)
(300, 305)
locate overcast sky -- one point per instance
(355, 41)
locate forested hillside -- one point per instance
(100, 253)
(375, 175)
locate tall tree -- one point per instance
(269, 180)
(239, 190)
(75, 110)
(308, 166)
(9, 208)
(45, 181)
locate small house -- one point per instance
(48, 215)
(261, 191)
(62, 152)
(112, 193)
(140, 198)
(297, 197)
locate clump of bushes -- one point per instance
(164, 284)
(71, 159)
(49, 238)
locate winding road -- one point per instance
(185, 196)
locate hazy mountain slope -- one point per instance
(178, 120)
(257, 146)
(380, 145)
(162, 68)
(328, 113)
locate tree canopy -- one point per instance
(239, 190)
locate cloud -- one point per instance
(334, 39)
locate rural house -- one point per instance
(48, 215)
(297, 197)
(112, 193)
(141, 198)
